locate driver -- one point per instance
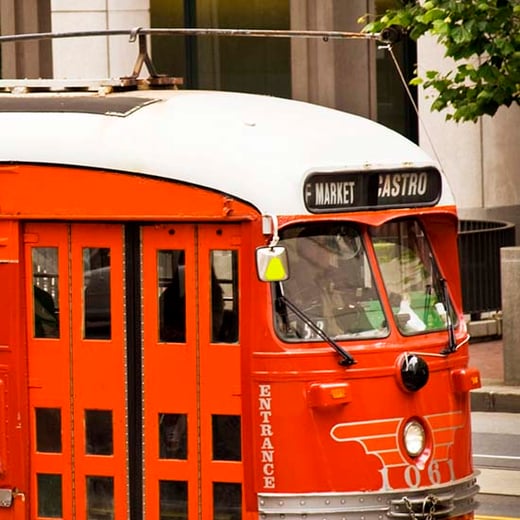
(318, 286)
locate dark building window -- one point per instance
(257, 65)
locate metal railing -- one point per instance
(479, 255)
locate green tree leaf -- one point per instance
(487, 32)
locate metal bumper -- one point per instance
(438, 502)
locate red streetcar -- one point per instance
(221, 305)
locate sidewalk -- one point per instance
(494, 396)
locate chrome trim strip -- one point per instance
(454, 499)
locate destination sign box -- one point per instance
(334, 192)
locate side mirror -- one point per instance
(272, 264)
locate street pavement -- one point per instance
(496, 454)
(495, 395)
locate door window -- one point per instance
(173, 499)
(99, 432)
(227, 500)
(226, 437)
(173, 436)
(224, 296)
(96, 283)
(48, 430)
(100, 498)
(172, 296)
(45, 292)
(49, 491)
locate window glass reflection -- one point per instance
(171, 292)
(260, 65)
(227, 500)
(45, 292)
(49, 495)
(48, 430)
(224, 296)
(96, 284)
(331, 283)
(412, 278)
(226, 437)
(173, 436)
(173, 498)
(100, 498)
(98, 432)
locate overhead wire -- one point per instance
(406, 87)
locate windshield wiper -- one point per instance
(346, 358)
(441, 291)
(452, 343)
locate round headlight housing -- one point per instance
(414, 372)
(414, 437)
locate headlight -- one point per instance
(414, 438)
(414, 372)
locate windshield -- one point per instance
(331, 283)
(412, 279)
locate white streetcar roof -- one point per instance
(256, 148)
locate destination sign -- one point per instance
(354, 191)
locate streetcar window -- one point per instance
(48, 430)
(49, 495)
(330, 282)
(98, 431)
(226, 437)
(173, 499)
(45, 292)
(411, 276)
(224, 296)
(171, 292)
(100, 498)
(173, 436)
(96, 286)
(227, 500)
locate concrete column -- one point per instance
(337, 74)
(107, 56)
(480, 159)
(500, 138)
(25, 59)
(510, 277)
(457, 146)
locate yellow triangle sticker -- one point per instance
(275, 270)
